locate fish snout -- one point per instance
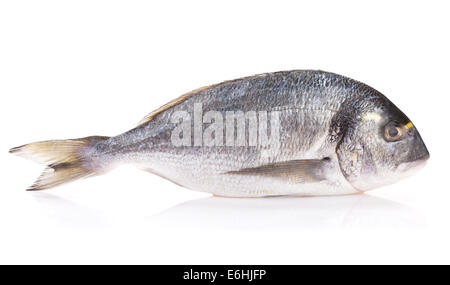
(417, 150)
(417, 157)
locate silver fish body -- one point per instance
(299, 132)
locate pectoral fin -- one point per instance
(294, 171)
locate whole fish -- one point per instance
(300, 132)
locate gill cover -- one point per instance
(354, 156)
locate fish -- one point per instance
(286, 133)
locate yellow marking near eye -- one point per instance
(409, 125)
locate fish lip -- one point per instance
(416, 164)
(425, 157)
(422, 158)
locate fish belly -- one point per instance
(210, 175)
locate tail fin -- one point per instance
(66, 160)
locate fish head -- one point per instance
(380, 145)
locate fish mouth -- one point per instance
(425, 157)
(413, 166)
(402, 171)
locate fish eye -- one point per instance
(393, 132)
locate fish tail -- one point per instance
(66, 160)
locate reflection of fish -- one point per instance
(328, 135)
(290, 214)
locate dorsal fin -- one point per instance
(186, 96)
(172, 103)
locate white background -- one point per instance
(71, 69)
